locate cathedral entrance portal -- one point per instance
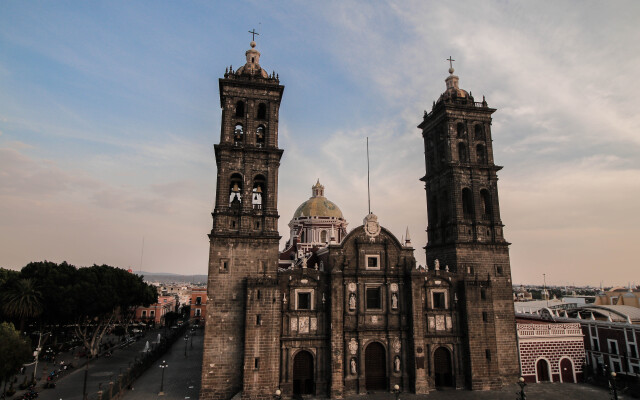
(375, 367)
(442, 367)
(303, 377)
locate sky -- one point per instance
(109, 112)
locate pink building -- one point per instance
(550, 351)
(198, 303)
(156, 312)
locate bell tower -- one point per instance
(465, 232)
(244, 239)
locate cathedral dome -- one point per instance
(318, 205)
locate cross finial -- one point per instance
(451, 60)
(253, 34)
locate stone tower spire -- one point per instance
(243, 256)
(465, 231)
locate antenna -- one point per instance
(368, 185)
(141, 254)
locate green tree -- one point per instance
(21, 299)
(14, 351)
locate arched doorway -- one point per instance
(303, 377)
(542, 371)
(375, 367)
(442, 367)
(566, 370)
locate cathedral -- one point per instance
(339, 312)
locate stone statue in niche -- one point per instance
(437, 265)
(394, 301)
(354, 366)
(396, 364)
(352, 301)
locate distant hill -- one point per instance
(164, 277)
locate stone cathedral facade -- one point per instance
(342, 312)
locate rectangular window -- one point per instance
(198, 300)
(256, 363)
(633, 350)
(487, 354)
(198, 312)
(374, 298)
(499, 270)
(595, 345)
(153, 313)
(304, 301)
(438, 300)
(144, 313)
(258, 320)
(613, 346)
(483, 294)
(485, 316)
(372, 262)
(224, 266)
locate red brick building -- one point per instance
(155, 312)
(550, 351)
(198, 303)
(613, 346)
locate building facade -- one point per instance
(198, 305)
(550, 351)
(339, 313)
(155, 313)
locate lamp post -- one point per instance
(277, 395)
(186, 339)
(522, 384)
(396, 391)
(163, 366)
(191, 342)
(613, 389)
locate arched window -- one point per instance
(460, 129)
(481, 155)
(260, 136)
(323, 236)
(479, 132)
(235, 190)
(486, 202)
(238, 133)
(258, 192)
(467, 203)
(240, 109)
(262, 111)
(462, 152)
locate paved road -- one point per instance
(100, 372)
(181, 377)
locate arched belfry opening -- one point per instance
(238, 134)
(240, 109)
(235, 191)
(460, 129)
(258, 192)
(375, 366)
(467, 203)
(486, 203)
(262, 111)
(303, 374)
(481, 155)
(462, 152)
(260, 136)
(478, 132)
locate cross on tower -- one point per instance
(253, 34)
(451, 60)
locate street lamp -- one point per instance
(163, 366)
(612, 386)
(522, 384)
(278, 395)
(396, 390)
(191, 343)
(186, 339)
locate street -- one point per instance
(181, 377)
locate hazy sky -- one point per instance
(109, 112)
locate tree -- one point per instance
(22, 300)
(14, 351)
